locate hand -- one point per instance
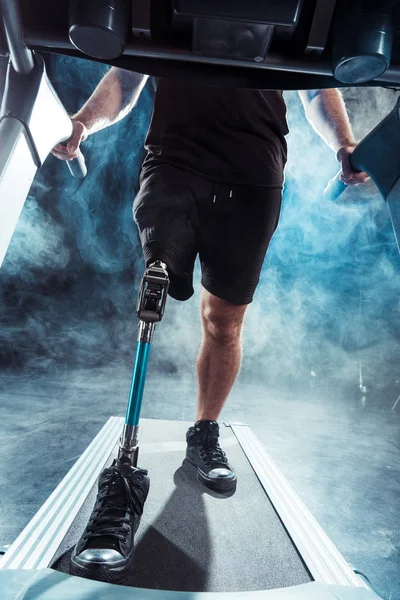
(69, 150)
(349, 176)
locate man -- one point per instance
(211, 185)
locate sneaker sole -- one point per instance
(223, 485)
(101, 573)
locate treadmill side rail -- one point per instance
(36, 545)
(318, 552)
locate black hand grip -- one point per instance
(77, 166)
(334, 188)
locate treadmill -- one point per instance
(260, 542)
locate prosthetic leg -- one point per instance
(150, 309)
(105, 550)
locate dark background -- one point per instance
(321, 340)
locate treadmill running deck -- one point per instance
(193, 539)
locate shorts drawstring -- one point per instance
(215, 194)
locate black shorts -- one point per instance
(180, 215)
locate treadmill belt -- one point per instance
(192, 539)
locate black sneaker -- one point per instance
(205, 453)
(105, 550)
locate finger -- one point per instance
(75, 140)
(68, 149)
(357, 181)
(357, 178)
(63, 151)
(59, 148)
(64, 155)
(347, 180)
(353, 182)
(59, 155)
(348, 175)
(361, 177)
(72, 146)
(346, 168)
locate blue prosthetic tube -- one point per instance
(137, 385)
(129, 449)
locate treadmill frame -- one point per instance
(37, 544)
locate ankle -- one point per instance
(205, 423)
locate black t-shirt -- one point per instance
(226, 135)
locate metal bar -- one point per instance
(37, 544)
(320, 555)
(273, 61)
(137, 384)
(53, 41)
(21, 56)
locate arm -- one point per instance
(326, 112)
(113, 98)
(116, 94)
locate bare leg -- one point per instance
(220, 353)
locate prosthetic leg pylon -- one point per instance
(105, 550)
(150, 310)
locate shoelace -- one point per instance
(111, 489)
(211, 450)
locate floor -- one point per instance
(339, 447)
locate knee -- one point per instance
(222, 321)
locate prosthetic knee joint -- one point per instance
(150, 309)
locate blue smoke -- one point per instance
(70, 274)
(328, 300)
